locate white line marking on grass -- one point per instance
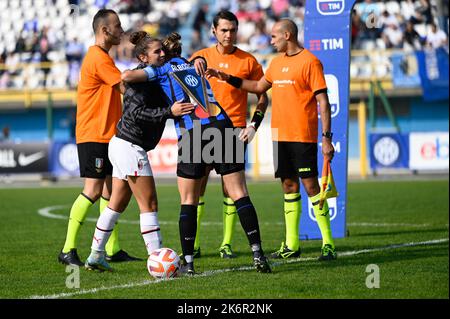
(244, 268)
(48, 212)
(388, 225)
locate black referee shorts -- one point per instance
(295, 159)
(216, 145)
(94, 160)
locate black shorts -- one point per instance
(215, 145)
(94, 160)
(295, 159)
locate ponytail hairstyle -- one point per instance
(172, 45)
(141, 40)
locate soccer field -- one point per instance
(401, 227)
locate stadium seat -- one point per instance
(381, 6)
(353, 70)
(381, 44)
(368, 45)
(357, 8)
(14, 5)
(184, 6)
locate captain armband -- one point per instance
(234, 81)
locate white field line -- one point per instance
(244, 268)
(48, 212)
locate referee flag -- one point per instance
(328, 188)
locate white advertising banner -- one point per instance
(428, 151)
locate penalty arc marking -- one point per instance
(49, 212)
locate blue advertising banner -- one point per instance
(389, 150)
(327, 36)
(433, 71)
(405, 71)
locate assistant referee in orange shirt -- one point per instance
(225, 56)
(99, 108)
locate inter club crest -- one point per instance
(199, 90)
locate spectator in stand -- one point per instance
(5, 132)
(387, 19)
(425, 11)
(280, 9)
(367, 8)
(230, 5)
(200, 24)
(43, 46)
(260, 41)
(20, 43)
(74, 56)
(74, 50)
(357, 26)
(436, 38)
(442, 14)
(408, 8)
(170, 20)
(2, 62)
(392, 36)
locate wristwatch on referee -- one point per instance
(328, 135)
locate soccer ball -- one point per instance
(163, 263)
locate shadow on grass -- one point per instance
(379, 257)
(397, 232)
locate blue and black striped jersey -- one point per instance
(175, 92)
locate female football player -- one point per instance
(139, 130)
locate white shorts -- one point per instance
(128, 159)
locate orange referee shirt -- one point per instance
(294, 80)
(99, 105)
(239, 63)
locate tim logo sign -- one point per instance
(330, 7)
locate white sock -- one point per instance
(104, 228)
(150, 231)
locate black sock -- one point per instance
(249, 220)
(188, 228)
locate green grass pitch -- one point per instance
(399, 226)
